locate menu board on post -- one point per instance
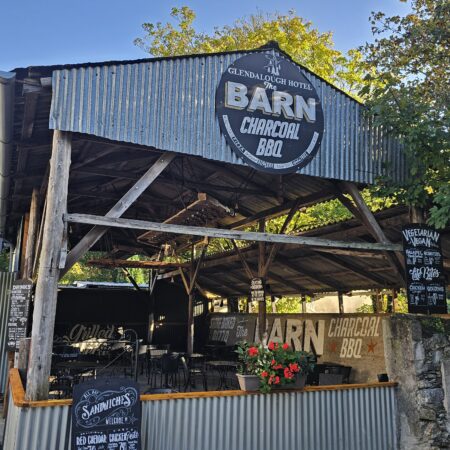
(18, 313)
(257, 290)
(106, 415)
(424, 270)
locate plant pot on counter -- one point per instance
(248, 382)
(299, 383)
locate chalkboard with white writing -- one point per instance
(18, 313)
(106, 415)
(424, 270)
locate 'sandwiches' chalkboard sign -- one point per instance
(424, 269)
(106, 415)
(18, 313)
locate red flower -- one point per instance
(271, 346)
(288, 374)
(273, 362)
(264, 374)
(270, 379)
(285, 346)
(294, 367)
(277, 380)
(278, 367)
(252, 351)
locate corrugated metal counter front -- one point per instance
(317, 418)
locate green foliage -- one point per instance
(81, 271)
(297, 37)
(408, 67)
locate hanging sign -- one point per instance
(257, 292)
(18, 313)
(424, 270)
(269, 112)
(106, 415)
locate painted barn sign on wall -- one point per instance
(354, 340)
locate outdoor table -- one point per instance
(223, 367)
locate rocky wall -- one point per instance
(417, 351)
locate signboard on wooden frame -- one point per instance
(424, 270)
(354, 340)
(19, 306)
(106, 415)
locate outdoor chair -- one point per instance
(194, 368)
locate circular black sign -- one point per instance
(269, 113)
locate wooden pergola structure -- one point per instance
(77, 189)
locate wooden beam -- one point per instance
(47, 282)
(369, 220)
(366, 274)
(276, 247)
(32, 234)
(118, 209)
(227, 234)
(341, 302)
(247, 269)
(284, 208)
(29, 113)
(112, 263)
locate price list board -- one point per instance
(257, 292)
(424, 270)
(19, 306)
(106, 415)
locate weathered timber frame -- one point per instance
(313, 242)
(47, 281)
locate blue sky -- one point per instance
(69, 31)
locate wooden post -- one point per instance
(303, 302)
(24, 356)
(191, 285)
(394, 300)
(262, 312)
(416, 215)
(32, 235)
(26, 222)
(47, 281)
(341, 302)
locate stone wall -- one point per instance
(417, 350)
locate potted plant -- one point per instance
(272, 367)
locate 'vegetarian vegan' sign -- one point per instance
(269, 112)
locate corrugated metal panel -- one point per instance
(352, 419)
(37, 428)
(6, 279)
(169, 104)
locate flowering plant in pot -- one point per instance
(275, 365)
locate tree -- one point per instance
(297, 37)
(409, 64)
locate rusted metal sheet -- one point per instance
(169, 104)
(351, 419)
(6, 280)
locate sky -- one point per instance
(71, 31)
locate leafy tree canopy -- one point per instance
(297, 37)
(409, 95)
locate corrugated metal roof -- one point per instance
(169, 104)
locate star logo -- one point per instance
(371, 347)
(333, 347)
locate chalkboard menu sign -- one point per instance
(257, 290)
(106, 415)
(18, 313)
(424, 270)
(232, 328)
